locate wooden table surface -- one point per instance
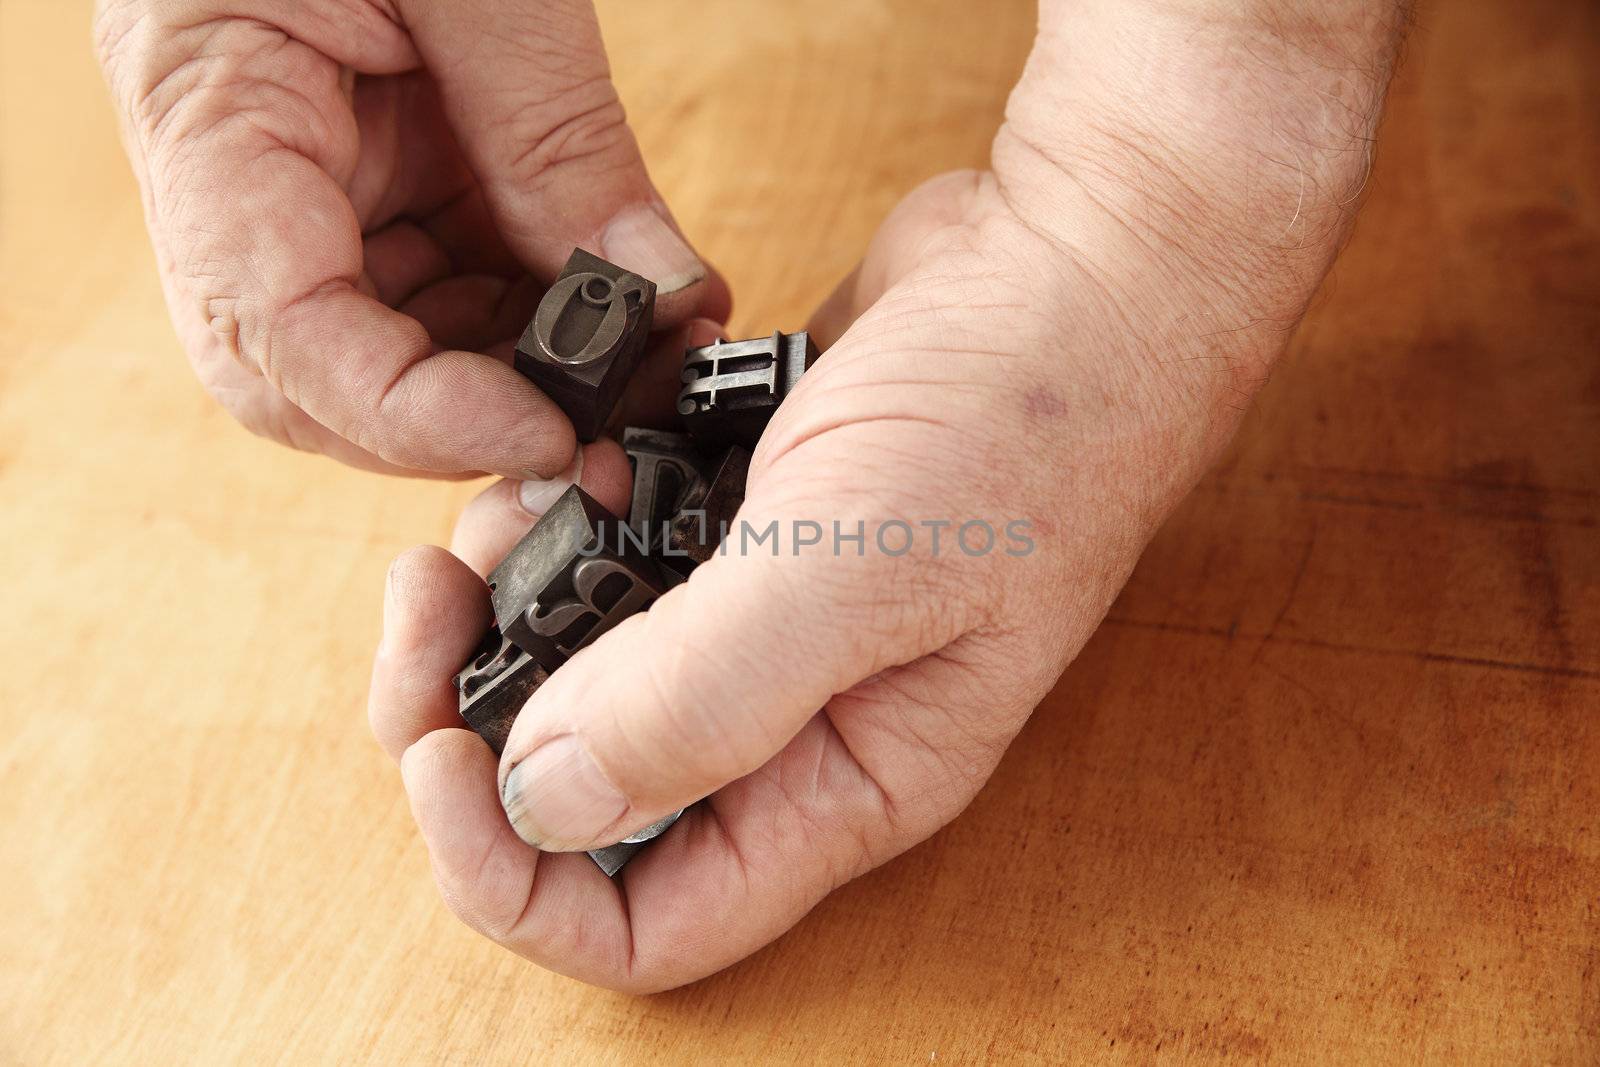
(1324, 787)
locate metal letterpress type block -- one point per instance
(731, 388)
(576, 574)
(611, 858)
(586, 338)
(666, 467)
(495, 685)
(706, 513)
(493, 689)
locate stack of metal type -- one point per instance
(581, 570)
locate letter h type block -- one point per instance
(731, 388)
(571, 578)
(586, 339)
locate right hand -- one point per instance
(355, 206)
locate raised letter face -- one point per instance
(570, 579)
(586, 338)
(731, 388)
(604, 592)
(666, 468)
(584, 315)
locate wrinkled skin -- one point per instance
(1067, 338)
(349, 257)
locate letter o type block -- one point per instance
(586, 339)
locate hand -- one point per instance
(354, 204)
(1063, 341)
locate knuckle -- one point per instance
(210, 104)
(842, 835)
(255, 325)
(229, 80)
(112, 24)
(581, 124)
(221, 315)
(160, 69)
(479, 883)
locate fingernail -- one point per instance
(641, 240)
(537, 494)
(558, 795)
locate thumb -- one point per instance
(938, 205)
(529, 93)
(705, 687)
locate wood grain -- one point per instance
(1322, 789)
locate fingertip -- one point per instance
(488, 527)
(716, 303)
(434, 614)
(644, 239)
(700, 332)
(835, 314)
(427, 587)
(483, 870)
(496, 519)
(449, 777)
(549, 442)
(608, 475)
(571, 920)
(441, 761)
(706, 297)
(650, 399)
(457, 411)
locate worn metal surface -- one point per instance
(666, 468)
(707, 512)
(613, 858)
(586, 338)
(572, 577)
(493, 687)
(732, 388)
